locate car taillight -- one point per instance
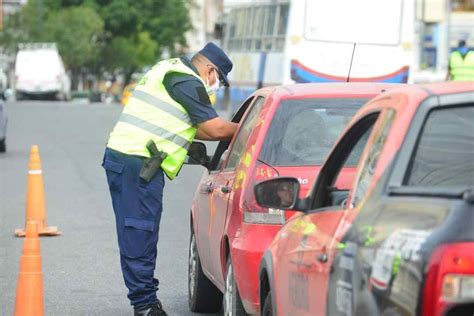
(449, 278)
(254, 213)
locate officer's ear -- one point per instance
(210, 69)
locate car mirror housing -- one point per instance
(197, 155)
(278, 193)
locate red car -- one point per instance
(402, 242)
(283, 131)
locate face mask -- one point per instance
(212, 90)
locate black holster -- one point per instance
(153, 164)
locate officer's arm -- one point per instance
(200, 134)
(216, 129)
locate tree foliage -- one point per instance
(103, 34)
(77, 31)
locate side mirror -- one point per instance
(197, 155)
(278, 193)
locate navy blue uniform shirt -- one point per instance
(189, 91)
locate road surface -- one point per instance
(81, 270)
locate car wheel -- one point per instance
(3, 145)
(232, 302)
(203, 296)
(267, 306)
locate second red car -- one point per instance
(284, 131)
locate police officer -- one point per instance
(170, 106)
(461, 63)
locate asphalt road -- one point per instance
(81, 270)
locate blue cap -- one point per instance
(217, 56)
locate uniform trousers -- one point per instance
(137, 206)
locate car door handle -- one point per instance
(207, 188)
(225, 189)
(323, 258)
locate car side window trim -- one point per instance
(252, 107)
(225, 144)
(366, 169)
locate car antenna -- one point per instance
(350, 67)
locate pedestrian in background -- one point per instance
(461, 63)
(170, 106)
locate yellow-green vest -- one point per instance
(151, 114)
(462, 69)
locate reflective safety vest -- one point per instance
(151, 114)
(462, 69)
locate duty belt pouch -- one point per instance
(152, 165)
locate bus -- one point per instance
(274, 42)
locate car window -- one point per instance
(444, 154)
(222, 148)
(367, 167)
(351, 144)
(304, 130)
(243, 134)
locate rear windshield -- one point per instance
(304, 130)
(444, 157)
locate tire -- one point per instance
(267, 305)
(3, 145)
(232, 302)
(203, 296)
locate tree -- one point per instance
(99, 35)
(138, 32)
(77, 31)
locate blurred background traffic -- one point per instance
(95, 50)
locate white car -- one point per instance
(3, 127)
(40, 72)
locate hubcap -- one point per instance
(229, 293)
(192, 266)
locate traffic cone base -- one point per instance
(47, 231)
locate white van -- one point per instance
(39, 72)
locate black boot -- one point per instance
(150, 310)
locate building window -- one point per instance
(257, 28)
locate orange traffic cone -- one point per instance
(29, 290)
(35, 204)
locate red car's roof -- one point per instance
(439, 88)
(449, 87)
(321, 89)
(414, 94)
